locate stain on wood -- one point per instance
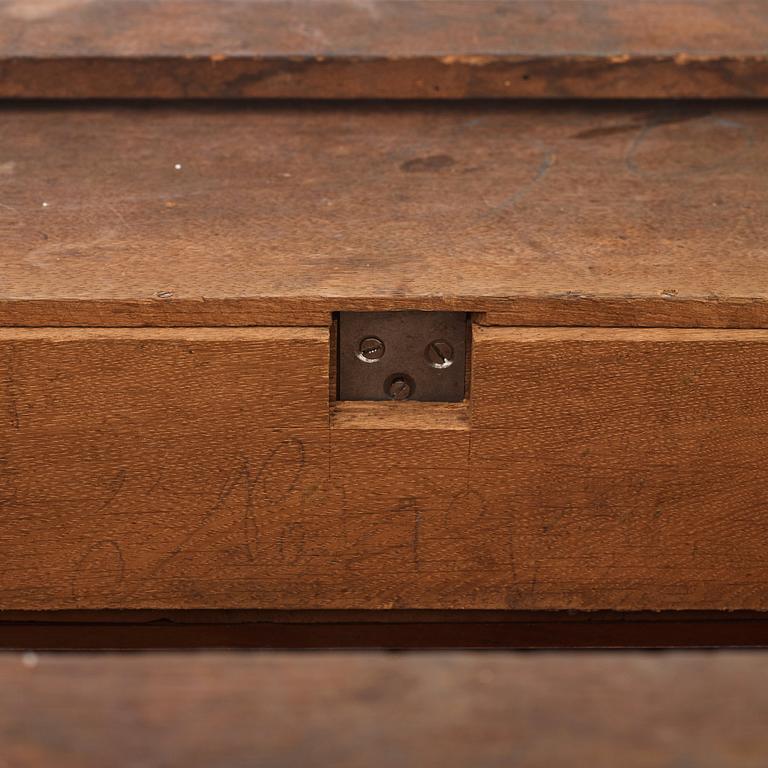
(420, 49)
(450, 710)
(620, 215)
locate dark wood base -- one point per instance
(138, 630)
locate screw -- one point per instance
(370, 349)
(399, 387)
(439, 353)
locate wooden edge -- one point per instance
(64, 335)
(348, 414)
(536, 335)
(162, 311)
(146, 629)
(541, 311)
(346, 49)
(667, 311)
(483, 76)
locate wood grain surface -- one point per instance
(625, 465)
(427, 49)
(649, 215)
(699, 710)
(126, 453)
(593, 469)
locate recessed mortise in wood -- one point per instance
(402, 356)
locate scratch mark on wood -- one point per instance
(242, 471)
(410, 505)
(100, 572)
(262, 489)
(10, 386)
(640, 122)
(8, 491)
(547, 161)
(416, 538)
(743, 142)
(289, 456)
(116, 486)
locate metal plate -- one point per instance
(402, 356)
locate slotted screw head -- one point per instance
(439, 353)
(370, 349)
(399, 388)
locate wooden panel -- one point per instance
(182, 468)
(383, 48)
(136, 465)
(403, 478)
(615, 215)
(626, 467)
(448, 710)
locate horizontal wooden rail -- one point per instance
(344, 49)
(396, 629)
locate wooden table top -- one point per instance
(578, 214)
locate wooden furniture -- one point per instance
(170, 432)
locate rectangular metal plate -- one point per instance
(402, 356)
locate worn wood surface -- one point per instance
(126, 453)
(416, 710)
(568, 215)
(592, 469)
(627, 465)
(428, 49)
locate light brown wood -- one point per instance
(665, 311)
(625, 467)
(611, 215)
(426, 49)
(347, 710)
(134, 461)
(592, 469)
